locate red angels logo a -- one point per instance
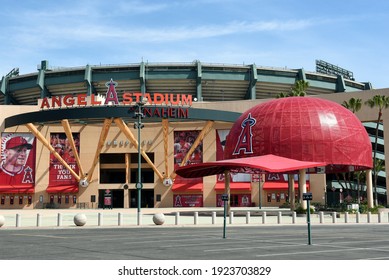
(245, 140)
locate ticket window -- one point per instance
(20, 199)
(59, 200)
(74, 199)
(67, 199)
(268, 197)
(278, 199)
(11, 200)
(51, 199)
(29, 199)
(2, 200)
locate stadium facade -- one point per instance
(76, 131)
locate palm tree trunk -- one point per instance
(375, 159)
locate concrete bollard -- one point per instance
(120, 219)
(369, 217)
(159, 219)
(247, 217)
(79, 220)
(380, 217)
(321, 217)
(213, 217)
(358, 218)
(99, 219)
(59, 220)
(279, 218)
(38, 220)
(231, 218)
(18, 220)
(345, 217)
(294, 217)
(177, 218)
(2, 220)
(334, 217)
(263, 217)
(196, 218)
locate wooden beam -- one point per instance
(165, 128)
(47, 144)
(100, 145)
(69, 135)
(127, 132)
(197, 142)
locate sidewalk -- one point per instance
(60, 218)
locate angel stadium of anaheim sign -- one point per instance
(111, 99)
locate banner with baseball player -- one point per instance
(17, 167)
(58, 174)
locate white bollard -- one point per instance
(263, 217)
(321, 217)
(18, 220)
(177, 218)
(59, 220)
(247, 217)
(231, 217)
(99, 219)
(345, 217)
(358, 218)
(368, 217)
(213, 218)
(334, 217)
(279, 217)
(2, 220)
(38, 220)
(380, 217)
(294, 217)
(196, 218)
(120, 219)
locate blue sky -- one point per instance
(352, 34)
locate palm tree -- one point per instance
(298, 89)
(354, 104)
(382, 102)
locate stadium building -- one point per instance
(92, 136)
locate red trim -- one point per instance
(280, 185)
(234, 186)
(17, 189)
(198, 187)
(62, 189)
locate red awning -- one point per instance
(280, 185)
(251, 165)
(62, 189)
(17, 188)
(189, 187)
(234, 186)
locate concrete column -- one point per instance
(177, 218)
(263, 217)
(38, 220)
(120, 219)
(99, 219)
(231, 217)
(59, 220)
(369, 190)
(302, 187)
(213, 217)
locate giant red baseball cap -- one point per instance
(16, 142)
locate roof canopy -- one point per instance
(257, 164)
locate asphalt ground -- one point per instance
(269, 242)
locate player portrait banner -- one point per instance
(58, 174)
(17, 167)
(188, 200)
(183, 141)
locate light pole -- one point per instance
(139, 125)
